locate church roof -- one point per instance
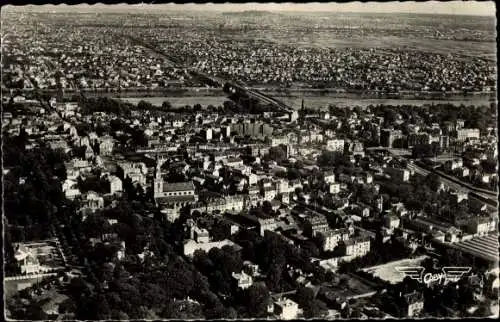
(178, 186)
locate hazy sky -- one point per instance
(451, 7)
(483, 8)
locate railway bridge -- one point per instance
(230, 87)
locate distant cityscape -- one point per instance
(253, 164)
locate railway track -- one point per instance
(216, 80)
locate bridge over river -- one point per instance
(230, 86)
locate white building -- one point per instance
(136, 171)
(329, 177)
(391, 221)
(279, 140)
(356, 247)
(270, 193)
(70, 189)
(162, 189)
(282, 186)
(334, 188)
(106, 145)
(453, 164)
(464, 134)
(27, 260)
(115, 184)
(208, 134)
(191, 246)
(93, 201)
(336, 145)
(233, 162)
(334, 237)
(243, 280)
(120, 253)
(28, 257)
(481, 226)
(286, 309)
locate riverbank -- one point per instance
(313, 98)
(314, 102)
(296, 92)
(322, 102)
(178, 102)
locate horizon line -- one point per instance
(451, 8)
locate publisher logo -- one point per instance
(447, 274)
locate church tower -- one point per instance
(158, 181)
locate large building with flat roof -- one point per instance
(484, 247)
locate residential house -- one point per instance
(270, 192)
(334, 188)
(191, 246)
(267, 224)
(481, 226)
(391, 221)
(27, 260)
(412, 303)
(251, 268)
(136, 172)
(70, 189)
(462, 172)
(89, 153)
(346, 178)
(286, 309)
(314, 224)
(356, 247)
(115, 184)
(92, 200)
(398, 174)
(243, 280)
(467, 134)
(329, 177)
(335, 145)
(233, 162)
(106, 145)
(458, 196)
(451, 165)
(332, 238)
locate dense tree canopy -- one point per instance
(105, 104)
(332, 159)
(32, 187)
(277, 153)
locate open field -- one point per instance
(12, 287)
(316, 102)
(179, 101)
(355, 288)
(324, 101)
(485, 50)
(388, 272)
(469, 36)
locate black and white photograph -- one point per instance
(250, 161)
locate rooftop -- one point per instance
(174, 199)
(485, 247)
(178, 186)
